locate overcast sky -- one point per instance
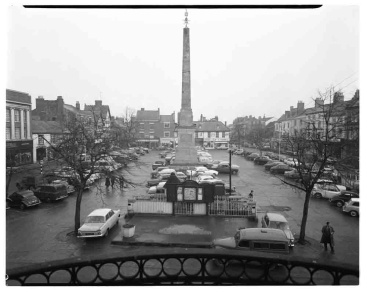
(243, 62)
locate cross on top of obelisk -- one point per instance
(186, 19)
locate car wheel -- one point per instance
(318, 195)
(106, 234)
(339, 204)
(353, 214)
(22, 206)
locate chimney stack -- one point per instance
(319, 102)
(77, 105)
(98, 103)
(300, 107)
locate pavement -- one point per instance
(200, 231)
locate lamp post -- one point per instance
(230, 171)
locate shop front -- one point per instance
(19, 152)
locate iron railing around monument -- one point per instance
(186, 267)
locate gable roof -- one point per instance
(210, 126)
(103, 110)
(46, 127)
(166, 118)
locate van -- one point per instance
(51, 192)
(256, 239)
(352, 207)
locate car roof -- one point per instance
(99, 212)
(276, 217)
(262, 234)
(24, 193)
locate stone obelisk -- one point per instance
(186, 154)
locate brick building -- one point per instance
(154, 129)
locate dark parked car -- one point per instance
(261, 160)
(280, 169)
(344, 197)
(252, 156)
(22, 199)
(224, 168)
(51, 192)
(158, 164)
(271, 164)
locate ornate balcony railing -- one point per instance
(183, 267)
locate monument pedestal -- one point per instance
(186, 153)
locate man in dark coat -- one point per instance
(328, 236)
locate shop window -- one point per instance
(17, 132)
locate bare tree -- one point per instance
(316, 144)
(238, 132)
(259, 135)
(124, 128)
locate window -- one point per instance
(217, 134)
(53, 138)
(166, 134)
(7, 115)
(244, 243)
(208, 133)
(196, 134)
(41, 141)
(141, 125)
(16, 115)
(17, 132)
(166, 124)
(277, 246)
(260, 245)
(7, 132)
(151, 126)
(223, 134)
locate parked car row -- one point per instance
(325, 186)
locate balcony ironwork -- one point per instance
(178, 266)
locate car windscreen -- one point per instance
(95, 219)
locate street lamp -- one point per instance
(230, 171)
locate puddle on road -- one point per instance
(184, 229)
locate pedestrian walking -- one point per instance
(328, 236)
(112, 181)
(251, 195)
(19, 187)
(107, 183)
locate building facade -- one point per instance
(19, 144)
(154, 129)
(45, 134)
(211, 134)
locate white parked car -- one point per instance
(327, 190)
(199, 170)
(201, 178)
(99, 223)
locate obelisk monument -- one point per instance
(186, 154)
